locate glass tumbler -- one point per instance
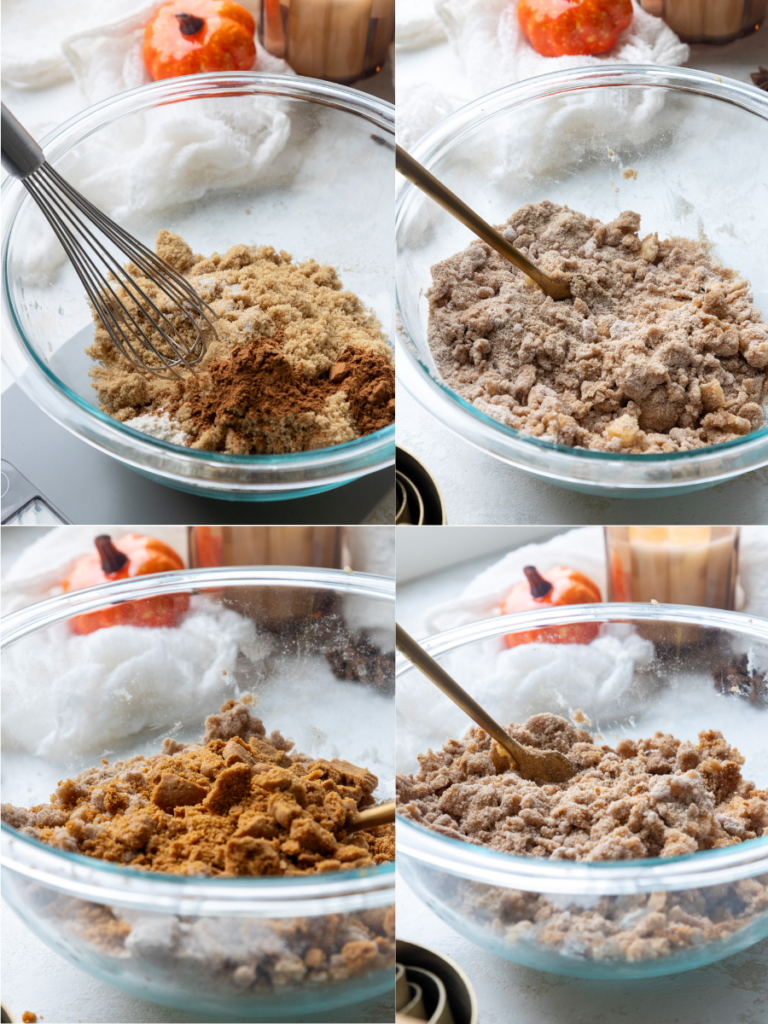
(310, 546)
(693, 565)
(709, 21)
(338, 40)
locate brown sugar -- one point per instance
(656, 797)
(659, 350)
(296, 363)
(239, 803)
(28, 1017)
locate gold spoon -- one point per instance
(537, 765)
(430, 186)
(382, 814)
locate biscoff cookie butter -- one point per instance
(237, 803)
(296, 363)
(660, 348)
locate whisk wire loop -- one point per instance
(91, 279)
(96, 285)
(143, 257)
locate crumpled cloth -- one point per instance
(36, 34)
(156, 160)
(417, 25)
(64, 694)
(38, 572)
(486, 38)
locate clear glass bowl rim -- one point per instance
(58, 142)
(536, 874)
(444, 136)
(86, 878)
(45, 613)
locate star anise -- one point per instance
(362, 661)
(760, 77)
(739, 679)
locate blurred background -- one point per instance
(450, 575)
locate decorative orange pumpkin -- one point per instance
(132, 555)
(557, 27)
(196, 36)
(559, 586)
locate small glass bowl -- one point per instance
(324, 195)
(585, 919)
(660, 141)
(230, 947)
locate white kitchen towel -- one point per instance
(169, 157)
(33, 31)
(417, 25)
(486, 38)
(584, 549)
(36, 33)
(41, 568)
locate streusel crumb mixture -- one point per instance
(656, 797)
(659, 350)
(238, 803)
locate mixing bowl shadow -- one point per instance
(232, 947)
(649, 668)
(315, 182)
(569, 137)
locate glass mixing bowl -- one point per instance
(570, 137)
(651, 667)
(231, 947)
(315, 181)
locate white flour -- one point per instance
(164, 427)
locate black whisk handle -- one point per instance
(21, 154)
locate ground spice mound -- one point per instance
(660, 349)
(656, 797)
(237, 803)
(256, 402)
(297, 363)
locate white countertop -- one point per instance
(734, 991)
(479, 489)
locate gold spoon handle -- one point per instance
(437, 674)
(430, 186)
(382, 814)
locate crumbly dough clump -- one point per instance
(659, 350)
(296, 364)
(656, 797)
(235, 804)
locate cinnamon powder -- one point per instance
(256, 401)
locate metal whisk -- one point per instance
(104, 278)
